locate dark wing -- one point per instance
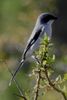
(32, 41)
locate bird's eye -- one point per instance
(43, 20)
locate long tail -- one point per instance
(17, 85)
(13, 76)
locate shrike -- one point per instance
(43, 25)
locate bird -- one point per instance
(43, 25)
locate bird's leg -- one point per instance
(36, 59)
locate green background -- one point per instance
(17, 19)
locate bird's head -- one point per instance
(46, 18)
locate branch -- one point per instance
(38, 85)
(53, 85)
(18, 87)
(21, 96)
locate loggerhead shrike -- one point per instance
(43, 25)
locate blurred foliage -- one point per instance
(17, 19)
(46, 60)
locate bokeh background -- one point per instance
(17, 19)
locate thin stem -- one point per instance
(38, 85)
(53, 86)
(18, 87)
(20, 96)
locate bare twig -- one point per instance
(18, 87)
(53, 85)
(38, 85)
(20, 96)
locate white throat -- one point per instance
(48, 28)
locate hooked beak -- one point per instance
(55, 17)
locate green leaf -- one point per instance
(65, 76)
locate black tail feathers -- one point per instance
(17, 70)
